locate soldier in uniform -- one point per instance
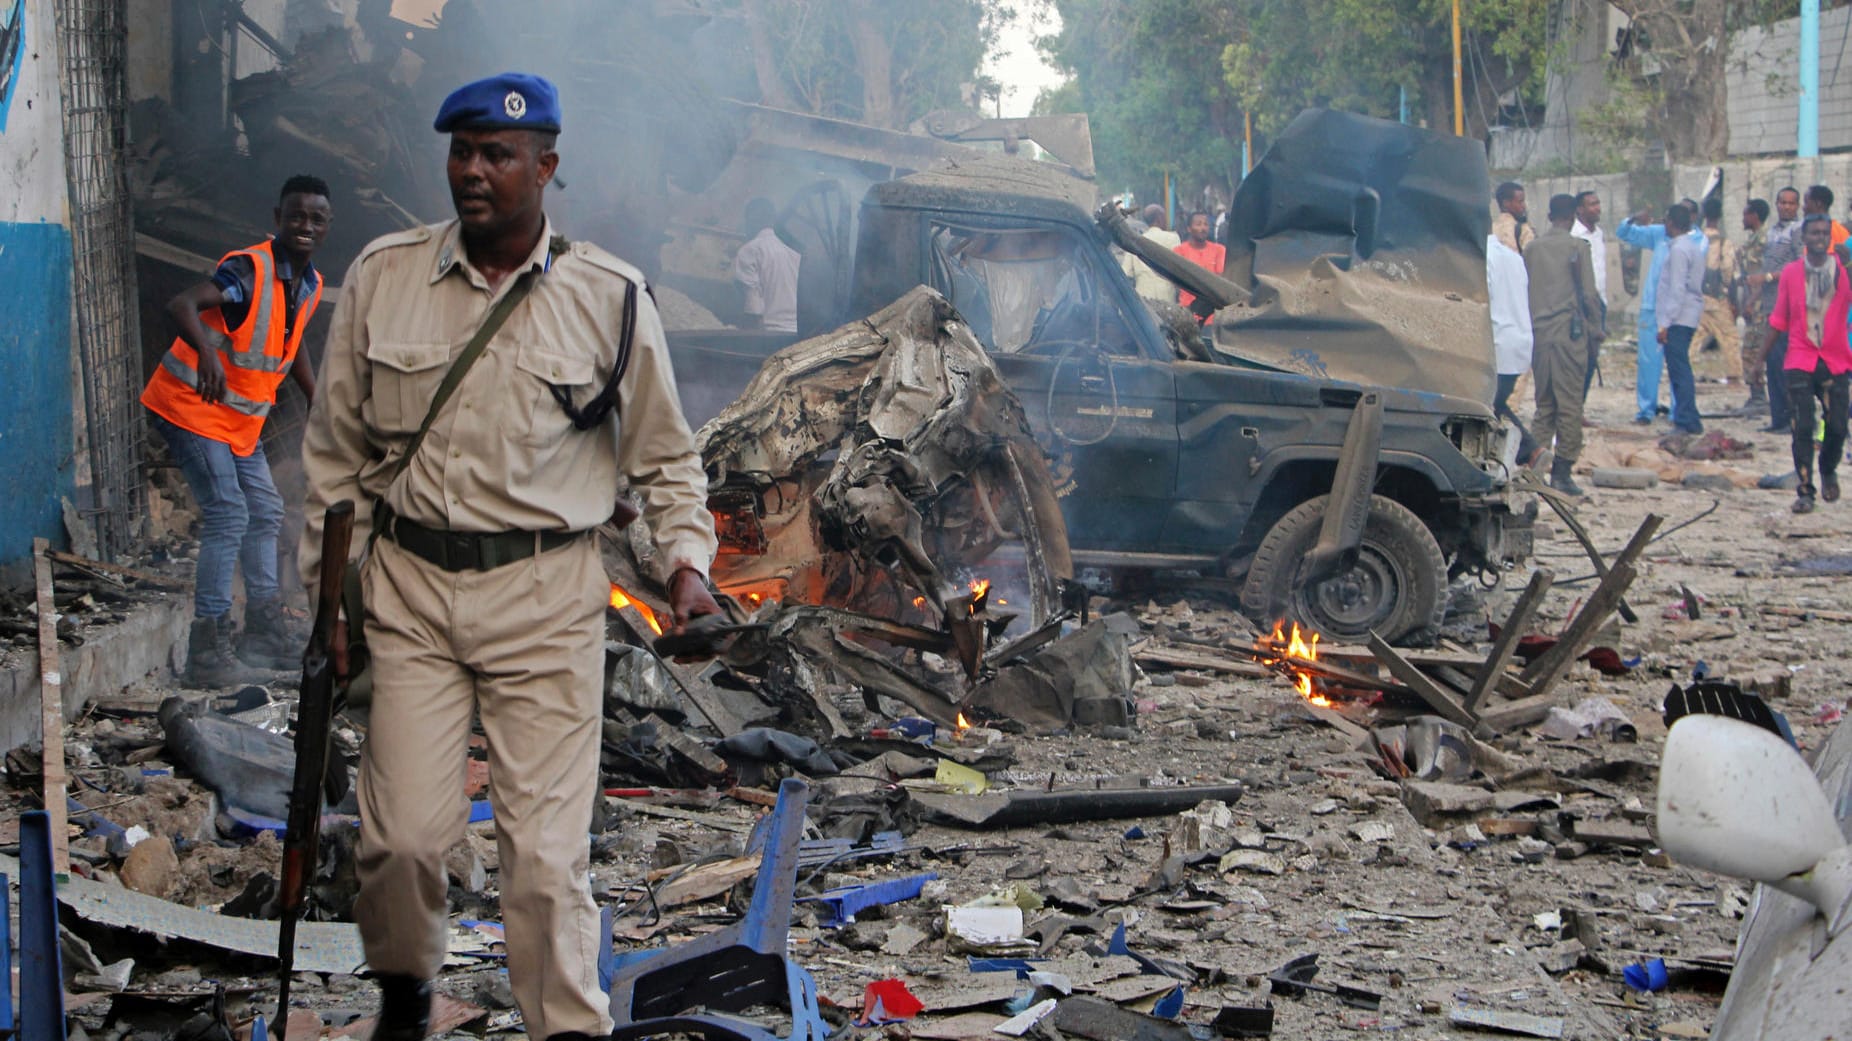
(485, 594)
(1749, 305)
(1565, 314)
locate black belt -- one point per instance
(471, 550)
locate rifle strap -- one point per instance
(352, 601)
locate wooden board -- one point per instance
(1507, 643)
(51, 707)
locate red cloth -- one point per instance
(1210, 256)
(1790, 316)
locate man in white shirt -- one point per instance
(1508, 288)
(1150, 284)
(766, 270)
(1587, 227)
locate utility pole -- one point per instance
(1459, 107)
(1247, 144)
(1807, 135)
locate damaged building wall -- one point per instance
(36, 404)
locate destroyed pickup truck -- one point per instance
(1330, 445)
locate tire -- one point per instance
(1398, 588)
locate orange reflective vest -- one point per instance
(256, 355)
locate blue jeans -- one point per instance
(1684, 388)
(1651, 360)
(240, 516)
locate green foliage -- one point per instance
(1166, 81)
(1148, 75)
(932, 52)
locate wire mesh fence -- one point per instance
(94, 84)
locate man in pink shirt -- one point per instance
(1810, 306)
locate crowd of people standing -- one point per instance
(1785, 281)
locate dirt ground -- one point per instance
(1432, 919)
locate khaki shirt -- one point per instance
(1514, 235)
(503, 455)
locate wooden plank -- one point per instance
(1513, 714)
(1635, 546)
(51, 707)
(1338, 721)
(1556, 660)
(87, 564)
(1508, 637)
(1419, 684)
(1550, 666)
(1805, 613)
(1174, 658)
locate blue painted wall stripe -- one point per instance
(36, 466)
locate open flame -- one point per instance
(963, 724)
(621, 599)
(1293, 646)
(980, 590)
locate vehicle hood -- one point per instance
(1360, 245)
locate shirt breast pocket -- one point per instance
(405, 379)
(538, 370)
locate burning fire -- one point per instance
(620, 599)
(963, 724)
(980, 589)
(1295, 646)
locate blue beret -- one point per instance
(512, 100)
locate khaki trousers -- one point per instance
(523, 647)
(1560, 367)
(1718, 324)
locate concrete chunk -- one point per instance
(1430, 801)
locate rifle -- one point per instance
(314, 721)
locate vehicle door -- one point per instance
(1041, 298)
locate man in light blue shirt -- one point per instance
(1680, 307)
(1635, 231)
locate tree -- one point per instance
(1167, 82)
(1359, 55)
(1148, 74)
(882, 62)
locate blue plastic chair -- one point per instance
(41, 961)
(686, 989)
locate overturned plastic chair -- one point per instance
(688, 988)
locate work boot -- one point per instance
(404, 1009)
(266, 642)
(1757, 404)
(1804, 493)
(1561, 479)
(1829, 486)
(210, 662)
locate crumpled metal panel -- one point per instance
(913, 411)
(1362, 245)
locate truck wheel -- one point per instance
(1397, 589)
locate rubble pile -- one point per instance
(1109, 816)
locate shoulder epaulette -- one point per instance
(605, 261)
(408, 237)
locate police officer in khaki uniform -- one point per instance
(485, 594)
(1566, 324)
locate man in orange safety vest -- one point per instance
(239, 336)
